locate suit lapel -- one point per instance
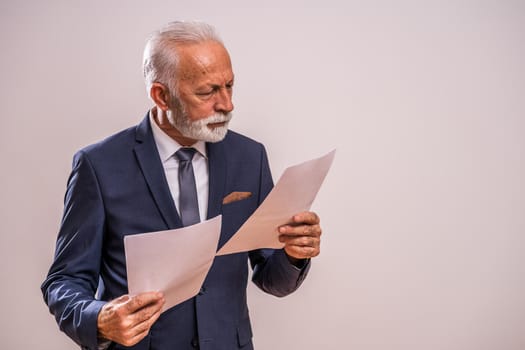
(151, 166)
(217, 177)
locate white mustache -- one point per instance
(214, 118)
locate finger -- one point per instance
(136, 338)
(137, 326)
(301, 241)
(301, 247)
(146, 313)
(148, 322)
(141, 300)
(132, 338)
(141, 330)
(306, 217)
(303, 230)
(302, 252)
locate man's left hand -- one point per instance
(302, 237)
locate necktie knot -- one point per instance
(185, 154)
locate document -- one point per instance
(174, 262)
(294, 193)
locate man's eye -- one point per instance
(205, 93)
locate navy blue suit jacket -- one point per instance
(118, 187)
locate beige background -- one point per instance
(423, 211)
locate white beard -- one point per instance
(198, 129)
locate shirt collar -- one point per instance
(168, 146)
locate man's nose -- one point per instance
(223, 101)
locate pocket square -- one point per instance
(236, 196)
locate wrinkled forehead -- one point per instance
(201, 59)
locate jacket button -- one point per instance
(195, 343)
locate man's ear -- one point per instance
(160, 95)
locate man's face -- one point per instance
(201, 107)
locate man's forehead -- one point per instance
(200, 59)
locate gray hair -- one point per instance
(160, 54)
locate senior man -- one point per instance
(177, 167)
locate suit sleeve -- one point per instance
(69, 289)
(272, 271)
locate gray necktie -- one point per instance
(188, 202)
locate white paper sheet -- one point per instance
(175, 262)
(294, 193)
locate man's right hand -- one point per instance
(128, 319)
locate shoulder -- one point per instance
(114, 146)
(120, 138)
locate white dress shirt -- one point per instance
(167, 148)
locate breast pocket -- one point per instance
(234, 215)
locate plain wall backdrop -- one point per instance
(423, 211)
